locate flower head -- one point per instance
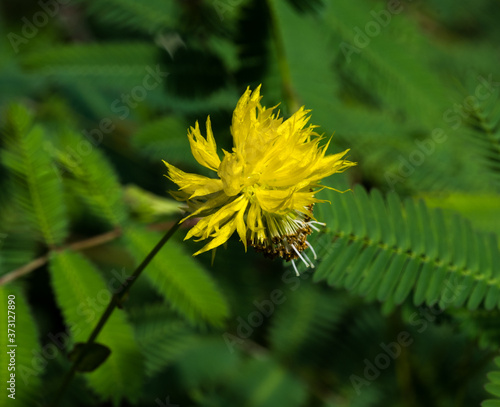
(265, 187)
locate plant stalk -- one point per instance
(116, 300)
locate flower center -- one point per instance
(286, 237)
(251, 180)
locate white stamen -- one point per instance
(299, 223)
(314, 227)
(295, 268)
(312, 249)
(308, 259)
(298, 254)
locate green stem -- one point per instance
(116, 300)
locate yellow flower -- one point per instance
(265, 187)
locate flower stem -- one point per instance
(116, 300)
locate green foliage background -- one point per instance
(402, 308)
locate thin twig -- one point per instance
(80, 245)
(96, 240)
(26, 269)
(40, 261)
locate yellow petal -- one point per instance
(231, 173)
(228, 211)
(328, 165)
(213, 222)
(241, 227)
(204, 150)
(244, 116)
(220, 237)
(209, 207)
(275, 201)
(301, 200)
(193, 185)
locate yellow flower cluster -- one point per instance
(265, 187)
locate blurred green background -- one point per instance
(95, 93)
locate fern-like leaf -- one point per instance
(148, 16)
(93, 179)
(164, 139)
(304, 323)
(379, 66)
(15, 251)
(223, 99)
(294, 35)
(35, 183)
(206, 360)
(484, 134)
(105, 62)
(25, 364)
(483, 210)
(493, 387)
(179, 278)
(82, 296)
(386, 249)
(161, 337)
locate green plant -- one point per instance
(411, 248)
